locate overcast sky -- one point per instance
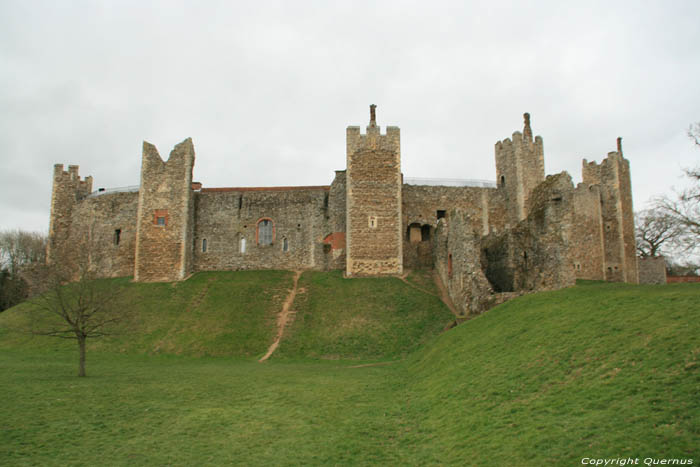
(266, 89)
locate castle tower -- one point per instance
(519, 168)
(373, 188)
(68, 190)
(613, 177)
(165, 215)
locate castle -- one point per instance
(524, 232)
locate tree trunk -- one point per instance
(81, 345)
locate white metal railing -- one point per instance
(449, 182)
(121, 189)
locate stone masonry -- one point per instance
(525, 232)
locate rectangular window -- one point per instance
(242, 245)
(160, 217)
(204, 245)
(117, 236)
(440, 214)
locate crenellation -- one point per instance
(487, 244)
(373, 195)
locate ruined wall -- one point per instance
(535, 254)
(68, 190)
(587, 250)
(107, 223)
(227, 217)
(334, 239)
(422, 205)
(457, 261)
(613, 176)
(165, 215)
(374, 230)
(519, 169)
(652, 270)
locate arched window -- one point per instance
(265, 232)
(285, 244)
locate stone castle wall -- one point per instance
(519, 169)
(529, 233)
(587, 236)
(374, 231)
(67, 192)
(109, 223)
(458, 262)
(424, 205)
(228, 228)
(652, 270)
(536, 253)
(165, 215)
(612, 175)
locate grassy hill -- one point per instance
(234, 314)
(602, 370)
(598, 370)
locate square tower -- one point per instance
(165, 215)
(373, 189)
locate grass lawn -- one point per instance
(598, 370)
(160, 410)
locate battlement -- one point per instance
(519, 168)
(72, 176)
(165, 214)
(608, 171)
(373, 193)
(612, 176)
(182, 154)
(68, 190)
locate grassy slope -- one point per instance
(601, 370)
(361, 318)
(222, 313)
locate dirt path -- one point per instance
(403, 279)
(444, 296)
(283, 318)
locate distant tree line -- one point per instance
(671, 227)
(19, 251)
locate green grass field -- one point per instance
(598, 370)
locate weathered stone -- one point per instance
(652, 270)
(487, 244)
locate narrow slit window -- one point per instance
(242, 245)
(117, 236)
(204, 245)
(285, 244)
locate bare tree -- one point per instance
(19, 250)
(684, 207)
(694, 132)
(75, 303)
(655, 231)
